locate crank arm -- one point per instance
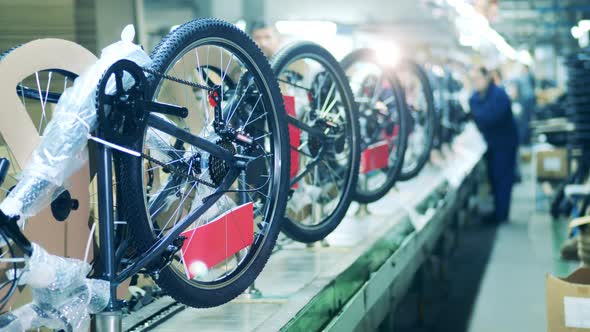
(163, 108)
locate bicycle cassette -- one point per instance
(218, 168)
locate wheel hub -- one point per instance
(315, 143)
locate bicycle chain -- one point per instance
(176, 79)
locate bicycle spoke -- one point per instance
(263, 136)
(239, 101)
(334, 173)
(204, 103)
(178, 209)
(252, 112)
(226, 68)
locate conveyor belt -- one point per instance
(354, 281)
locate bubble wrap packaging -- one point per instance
(63, 298)
(63, 148)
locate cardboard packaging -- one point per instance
(552, 164)
(568, 302)
(20, 137)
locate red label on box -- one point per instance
(294, 137)
(376, 156)
(212, 243)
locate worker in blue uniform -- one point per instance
(492, 112)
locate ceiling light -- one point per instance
(388, 53)
(577, 32)
(306, 28)
(584, 24)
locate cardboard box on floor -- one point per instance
(568, 302)
(552, 164)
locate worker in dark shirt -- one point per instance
(492, 112)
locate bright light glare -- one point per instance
(241, 24)
(582, 28)
(307, 28)
(438, 71)
(469, 40)
(388, 53)
(524, 56)
(584, 24)
(577, 32)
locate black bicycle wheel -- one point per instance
(383, 123)
(157, 198)
(422, 117)
(326, 158)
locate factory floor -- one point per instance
(495, 280)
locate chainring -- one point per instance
(121, 120)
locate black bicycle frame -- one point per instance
(106, 212)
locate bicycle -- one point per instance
(383, 119)
(324, 140)
(186, 154)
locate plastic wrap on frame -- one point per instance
(63, 298)
(62, 149)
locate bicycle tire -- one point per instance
(430, 118)
(307, 50)
(369, 55)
